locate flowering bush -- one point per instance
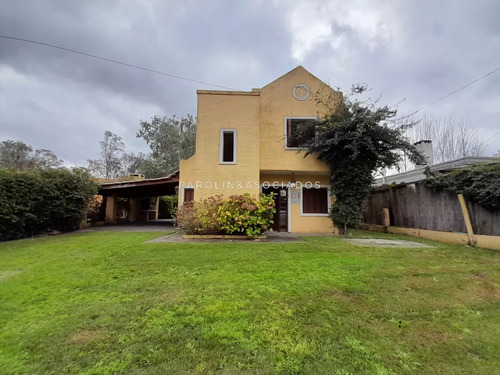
(242, 214)
(187, 218)
(238, 214)
(208, 215)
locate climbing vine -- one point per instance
(479, 184)
(355, 139)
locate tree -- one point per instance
(170, 140)
(18, 155)
(355, 140)
(132, 163)
(109, 165)
(451, 138)
(46, 159)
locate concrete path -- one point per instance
(133, 227)
(166, 226)
(378, 242)
(270, 237)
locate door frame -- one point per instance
(288, 208)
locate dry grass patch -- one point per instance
(86, 336)
(6, 274)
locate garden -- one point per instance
(109, 303)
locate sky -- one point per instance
(407, 52)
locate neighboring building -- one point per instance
(419, 173)
(244, 145)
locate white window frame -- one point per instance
(286, 129)
(221, 146)
(329, 197)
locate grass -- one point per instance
(106, 303)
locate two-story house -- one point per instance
(245, 144)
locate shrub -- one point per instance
(478, 183)
(238, 214)
(36, 201)
(167, 206)
(96, 210)
(242, 214)
(187, 218)
(208, 214)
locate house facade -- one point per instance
(245, 144)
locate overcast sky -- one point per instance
(418, 51)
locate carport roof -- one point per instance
(150, 187)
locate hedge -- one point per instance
(37, 201)
(478, 183)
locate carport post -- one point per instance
(133, 214)
(111, 207)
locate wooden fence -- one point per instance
(417, 206)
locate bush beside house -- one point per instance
(37, 201)
(167, 206)
(236, 215)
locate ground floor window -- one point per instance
(188, 195)
(315, 201)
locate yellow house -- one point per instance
(244, 144)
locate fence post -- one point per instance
(468, 223)
(387, 218)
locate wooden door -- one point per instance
(280, 217)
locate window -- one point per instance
(295, 138)
(152, 203)
(188, 195)
(315, 201)
(227, 152)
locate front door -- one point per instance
(281, 203)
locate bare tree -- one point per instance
(109, 165)
(47, 159)
(19, 155)
(451, 138)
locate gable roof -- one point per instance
(299, 68)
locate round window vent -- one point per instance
(301, 92)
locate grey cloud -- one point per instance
(64, 101)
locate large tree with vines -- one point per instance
(356, 139)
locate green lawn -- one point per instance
(106, 303)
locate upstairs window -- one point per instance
(227, 152)
(299, 131)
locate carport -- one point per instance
(142, 196)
